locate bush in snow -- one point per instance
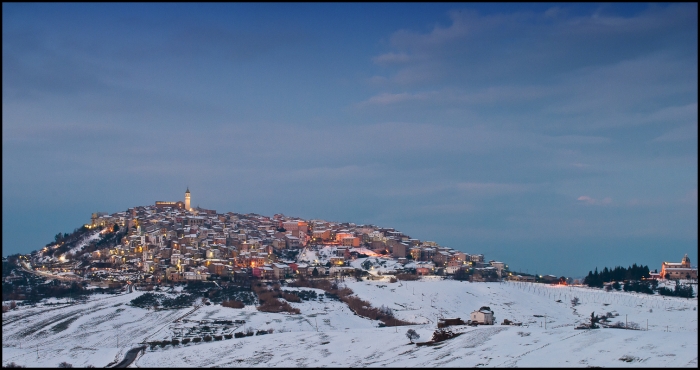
(412, 335)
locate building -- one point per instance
(482, 316)
(160, 205)
(187, 199)
(683, 270)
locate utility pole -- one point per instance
(545, 322)
(625, 321)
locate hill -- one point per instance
(326, 333)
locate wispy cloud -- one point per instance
(391, 58)
(588, 200)
(494, 188)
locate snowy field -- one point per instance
(327, 333)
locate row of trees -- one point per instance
(684, 291)
(619, 273)
(148, 300)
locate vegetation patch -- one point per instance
(63, 325)
(269, 301)
(358, 306)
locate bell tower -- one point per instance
(187, 199)
(686, 261)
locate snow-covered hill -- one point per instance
(327, 333)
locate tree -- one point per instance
(314, 273)
(412, 335)
(64, 365)
(575, 302)
(594, 321)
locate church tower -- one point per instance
(187, 199)
(686, 261)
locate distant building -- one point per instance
(483, 316)
(683, 270)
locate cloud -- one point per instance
(588, 200)
(391, 58)
(683, 133)
(555, 69)
(494, 188)
(475, 46)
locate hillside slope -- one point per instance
(327, 333)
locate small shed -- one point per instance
(449, 322)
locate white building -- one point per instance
(483, 316)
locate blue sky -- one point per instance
(554, 137)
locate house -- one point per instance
(549, 279)
(453, 266)
(526, 278)
(482, 316)
(485, 274)
(424, 268)
(499, 266)
(301, 269)
(280, 270)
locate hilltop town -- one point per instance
(187, 285)
(172, 242)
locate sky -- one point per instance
(554, 137)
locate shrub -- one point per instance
(442, 334)
(393, 280)
(207, 338)
(185, 340)
(218, 337)
(196, 339)
(408, 277)
(240, 334)
(228, 336)
(64, 365)
(175, 342)
(233, 304)
(290, 297)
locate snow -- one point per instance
(79, 247)
(328, 334)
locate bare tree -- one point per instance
(412, 335)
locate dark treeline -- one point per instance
(619, 273)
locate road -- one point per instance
(28, 269)
(130, 356)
